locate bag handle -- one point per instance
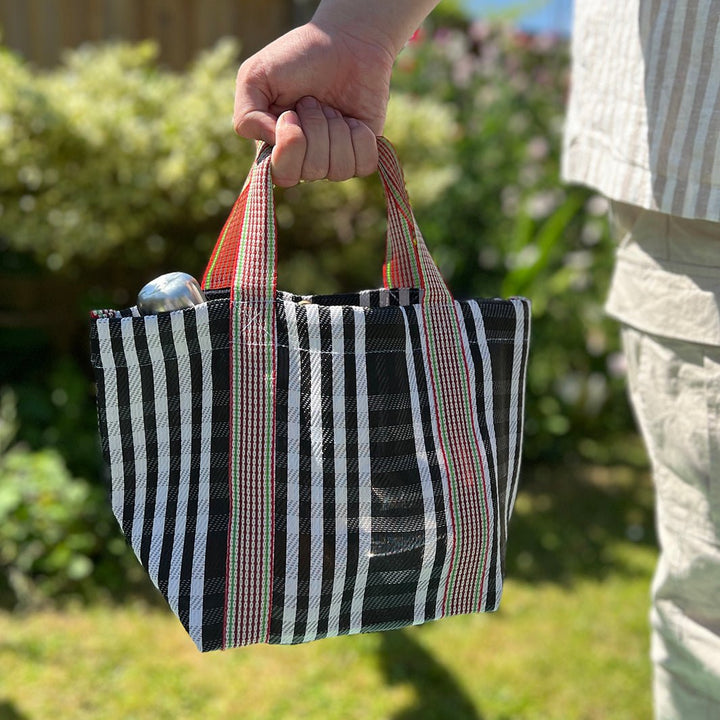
(245, 257)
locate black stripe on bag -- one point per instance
(219, 503)
(167, 342)
(190, 477)
(353, 478)
(398, 517)
(282, 419)
(151, 441)
(500, 330)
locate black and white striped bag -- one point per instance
(289, 468)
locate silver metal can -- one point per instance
(172, 291)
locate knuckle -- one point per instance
(316, 166)
(313, 173)
(339, 175)
(342, 169)
(283, 181)
(366, 167)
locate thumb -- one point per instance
(256, 125)
(252, 118)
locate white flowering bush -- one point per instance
(108, 154)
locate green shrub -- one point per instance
(58, 538)
(108, 153)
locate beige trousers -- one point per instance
(666, 293)
(675, 391)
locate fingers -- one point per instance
(341, 161)
(316, 142)
(365, 148)
(289, 152)
(315, 127)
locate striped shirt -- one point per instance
(643, 123)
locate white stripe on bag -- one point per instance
(520, 350)
(364, 476)
(293, 478)
(316, 473)
(117, 471)
(430, 544)
(157, 358)
(340, 444)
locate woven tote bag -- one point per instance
(287, 467)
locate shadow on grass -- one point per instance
(569, 522)
(9, 711)
(438, 694)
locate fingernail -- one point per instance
(289, 117)
(309, 102)
(353, 123)
(330, 113)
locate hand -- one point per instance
(316, 141)
(319, 95)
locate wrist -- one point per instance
(385, 24)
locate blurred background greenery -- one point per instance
(115, 169)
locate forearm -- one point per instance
(389, 23)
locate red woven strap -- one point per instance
(242, 260)
(407, 260)
(221, 267)
(246, 258)
(409, 264)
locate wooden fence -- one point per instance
(41, 29)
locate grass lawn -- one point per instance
(570, 640)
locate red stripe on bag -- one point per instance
(449, 373)
(463, 467)
(253, 374)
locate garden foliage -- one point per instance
(113, 170)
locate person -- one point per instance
(643, 128)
